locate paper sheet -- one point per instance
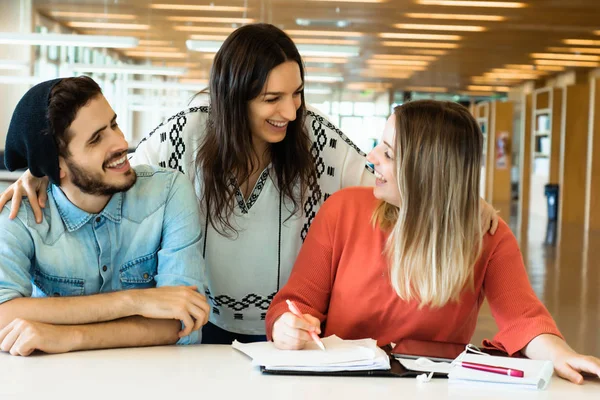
(537, 373)
(423, 364)
(340, 355)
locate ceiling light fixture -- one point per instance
(179, 64)
(324, 60)
(155, 54)
(326, 41)
(156, 48)
(520, 66)
(60, 39)
(190, 7)
(167, 85)
(206, 29)
(581, 42)
(469, 3)
(464, 17)
(556, 56)
(434, 89)
(567, 63)
(125, 69)
(388, 67)
(212, 38)
(217, 20)
(317, 91)
(480, 80)
(316, 50)
(397, 62)
(108, 25)
(376, 86)
(154, 43)
(323, 78)
(419, 36)
(518, 71)
(583, 50)
(205, 46)
(402, 57)
(521, 76)
(75, 14)
(426, 52)
(385, 74)
(488, 88)
(433, 27)
(338, 23)
(430, 45)
(305, 32)
(351, 1)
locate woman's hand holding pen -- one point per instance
(292, 333)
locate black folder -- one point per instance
(396, 370)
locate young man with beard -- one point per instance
(116, 261)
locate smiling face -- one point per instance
(272, 110)
(383, 159)
(97, 163)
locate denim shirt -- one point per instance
(148, 236)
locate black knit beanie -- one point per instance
(29, 142)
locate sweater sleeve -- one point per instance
(311, 280)
(519, 314)
(342, 162)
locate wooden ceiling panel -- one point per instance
(542, 24)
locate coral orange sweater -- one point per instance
(341, 277)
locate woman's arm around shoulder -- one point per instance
(344, 162)
(173, 143)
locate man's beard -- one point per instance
(91, 183)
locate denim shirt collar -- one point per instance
(74, 217)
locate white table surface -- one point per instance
(219, 372)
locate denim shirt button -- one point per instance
(98, 219)
(146, 275)
(104, 268)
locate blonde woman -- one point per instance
(407, 259)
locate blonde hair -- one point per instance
(435, 236)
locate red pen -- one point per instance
(298, 314)
(517, 373)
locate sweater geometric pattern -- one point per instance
(240, 304)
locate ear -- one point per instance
(62, 165)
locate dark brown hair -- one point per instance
(66, 98)
(239, 72)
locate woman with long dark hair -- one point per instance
(262, 163)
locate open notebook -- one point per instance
(340, 355)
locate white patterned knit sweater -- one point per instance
(245, 272)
